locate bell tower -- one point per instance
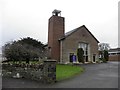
(55, 32)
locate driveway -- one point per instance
(104, 75)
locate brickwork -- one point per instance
(114, 54)
(55, 31)
(114, 57)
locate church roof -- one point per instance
(74, 30)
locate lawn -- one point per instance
(67, 71)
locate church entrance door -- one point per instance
(71, 57)
(94, 57)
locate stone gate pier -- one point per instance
(49, 71)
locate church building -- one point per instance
(62, 46)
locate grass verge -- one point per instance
(67, 71)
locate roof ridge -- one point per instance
(71, 31)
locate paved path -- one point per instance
(103, 75)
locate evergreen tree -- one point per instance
(106, 55)
(80, 55)
(24, 49)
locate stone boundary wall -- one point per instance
(45, 73)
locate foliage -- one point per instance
(106, 55)
(103, 51)
(80, 54)
(67, 71)
(32, 42)
(104, 61)
(24, 49)
(103, 46)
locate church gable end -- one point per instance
(80, 31)
(77, 38)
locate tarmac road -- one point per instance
(104, 75)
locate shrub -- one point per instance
(80, 54)
(106, 55)
(104, 60)
(25, 49)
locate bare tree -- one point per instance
(103, 46)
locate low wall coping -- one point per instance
(50, 60)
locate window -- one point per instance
(84, 46)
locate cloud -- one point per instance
(22, 18)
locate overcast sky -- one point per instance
(29, 18)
